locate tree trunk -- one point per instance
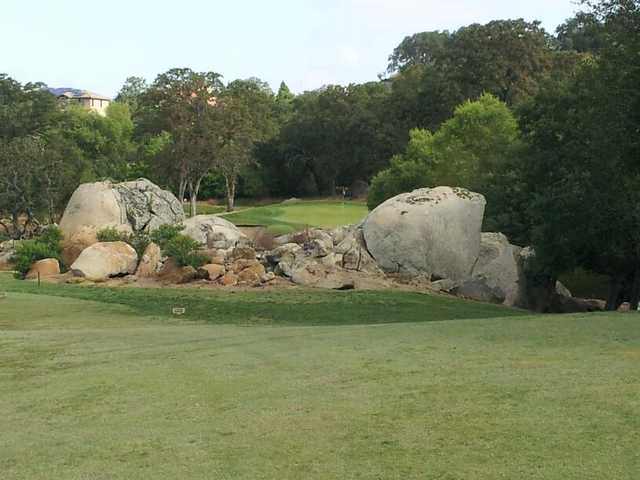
(634, 300)
(231, 193)
(193, 196)
(615, 289)
(182, 187)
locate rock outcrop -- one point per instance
(102, 261)
(214, 232)
(130, 207)
(431, 231)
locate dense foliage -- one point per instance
(138, 240)
(470, 150)
(48, 245)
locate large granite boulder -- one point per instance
(101, 261)
(130, 207)
(498, 267)
(430, 231)
(214, 232)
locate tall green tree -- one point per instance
(583, 174)
(131, 93)
(181, 102)
(247, 116)
(336, 136)
(470, 150)
(418, 49)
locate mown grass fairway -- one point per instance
(289, 387)
(281, 218)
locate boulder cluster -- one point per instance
(430, 238)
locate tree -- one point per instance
(582, 175)
(105, 142)
(24, 109)
(246, 112)
(418, 49)
(469, 150)
(131, 92)
(438, 71)
(335, 137)
(32, 182)
(182, 103)
(38, 167)
(284, 104)
(583, 33)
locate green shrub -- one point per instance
(185, 251)
(164, 234)
(139, 240)
(111, 234)
(30, 251)
(52, 236)
(400, 177)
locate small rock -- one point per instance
(268, 277)
(229, 280)
(243, 263)
(211, 271)
(215, 256)
(238, 253)
(445, 285)
(478, 289)
(249, 276)
(172, 273)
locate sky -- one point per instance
(96, 44)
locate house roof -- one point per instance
(77, 93)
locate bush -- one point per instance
(185, 251)
(400, 177)
(139, 241)
(111, 234)
(30, 251)
(164, 234)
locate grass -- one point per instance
(204, 208)
(92, 388)
(281, 219)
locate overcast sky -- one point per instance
(97, 44)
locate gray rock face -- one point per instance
(285, 258)
(355, 255)
(214, 232)
(432, 231)
(147, 206)
(499, 269)
(478, 289)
